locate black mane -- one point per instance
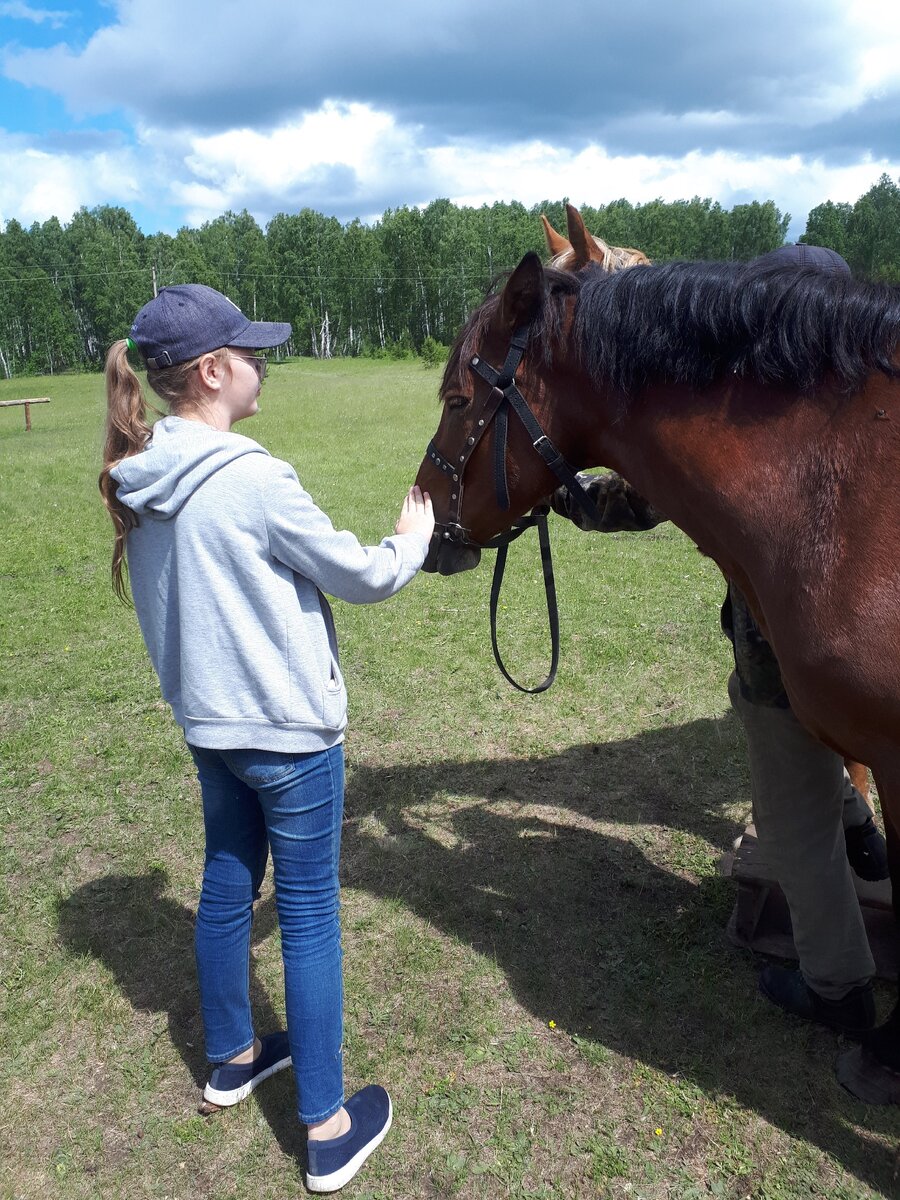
(693, 323)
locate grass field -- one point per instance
(536, 964)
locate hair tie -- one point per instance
(130, 344)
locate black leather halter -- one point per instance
(504, 394)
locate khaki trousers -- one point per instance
(802, 800)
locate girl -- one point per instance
(228, 559)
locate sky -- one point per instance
(180, 110)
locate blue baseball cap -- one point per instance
(190, 319)
(816, 258)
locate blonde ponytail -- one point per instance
(127, 432)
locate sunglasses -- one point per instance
(257, 361)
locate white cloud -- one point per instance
(36, 185)
(180, 70)
(878, 29)
(534, 172)
(17, 11)
(379, 157)
(343, 154)
(354, 160)
(348, 134)
(200, 65)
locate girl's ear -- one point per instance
(211, 370)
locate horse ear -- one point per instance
(556, 243)
(585, 247)
(523, 294)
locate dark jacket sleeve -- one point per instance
(620, 507)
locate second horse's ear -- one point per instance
(523, 294)
(585, 247)
(556, 243)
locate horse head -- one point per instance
(483, 468)
(476, 495)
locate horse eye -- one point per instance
(457, 401)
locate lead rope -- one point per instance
(540, 519)
(505, 390)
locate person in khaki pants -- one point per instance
(813, 825)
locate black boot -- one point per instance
(884, 1042)
(853, 1015)
(866, 850)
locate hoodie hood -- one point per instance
(180, 456)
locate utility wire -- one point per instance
(451, 271)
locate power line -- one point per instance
(452, 270)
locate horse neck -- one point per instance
(713, 466)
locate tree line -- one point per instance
(407, 280)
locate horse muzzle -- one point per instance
(450, 557)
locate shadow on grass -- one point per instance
(587, 928)
(146, 939)
(590, 932)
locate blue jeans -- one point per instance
(254, 800)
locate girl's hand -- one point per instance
(416, 515)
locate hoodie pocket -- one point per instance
(334, 698)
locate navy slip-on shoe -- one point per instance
(232, 1082)
(334, 1162)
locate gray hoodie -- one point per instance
(227, 567)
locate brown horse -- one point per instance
(578, 251)
(759, 408)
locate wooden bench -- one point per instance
(28, 403)
(761, 920)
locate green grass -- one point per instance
(535, 955)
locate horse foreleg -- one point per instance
(871, 1072)
(859, 777)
